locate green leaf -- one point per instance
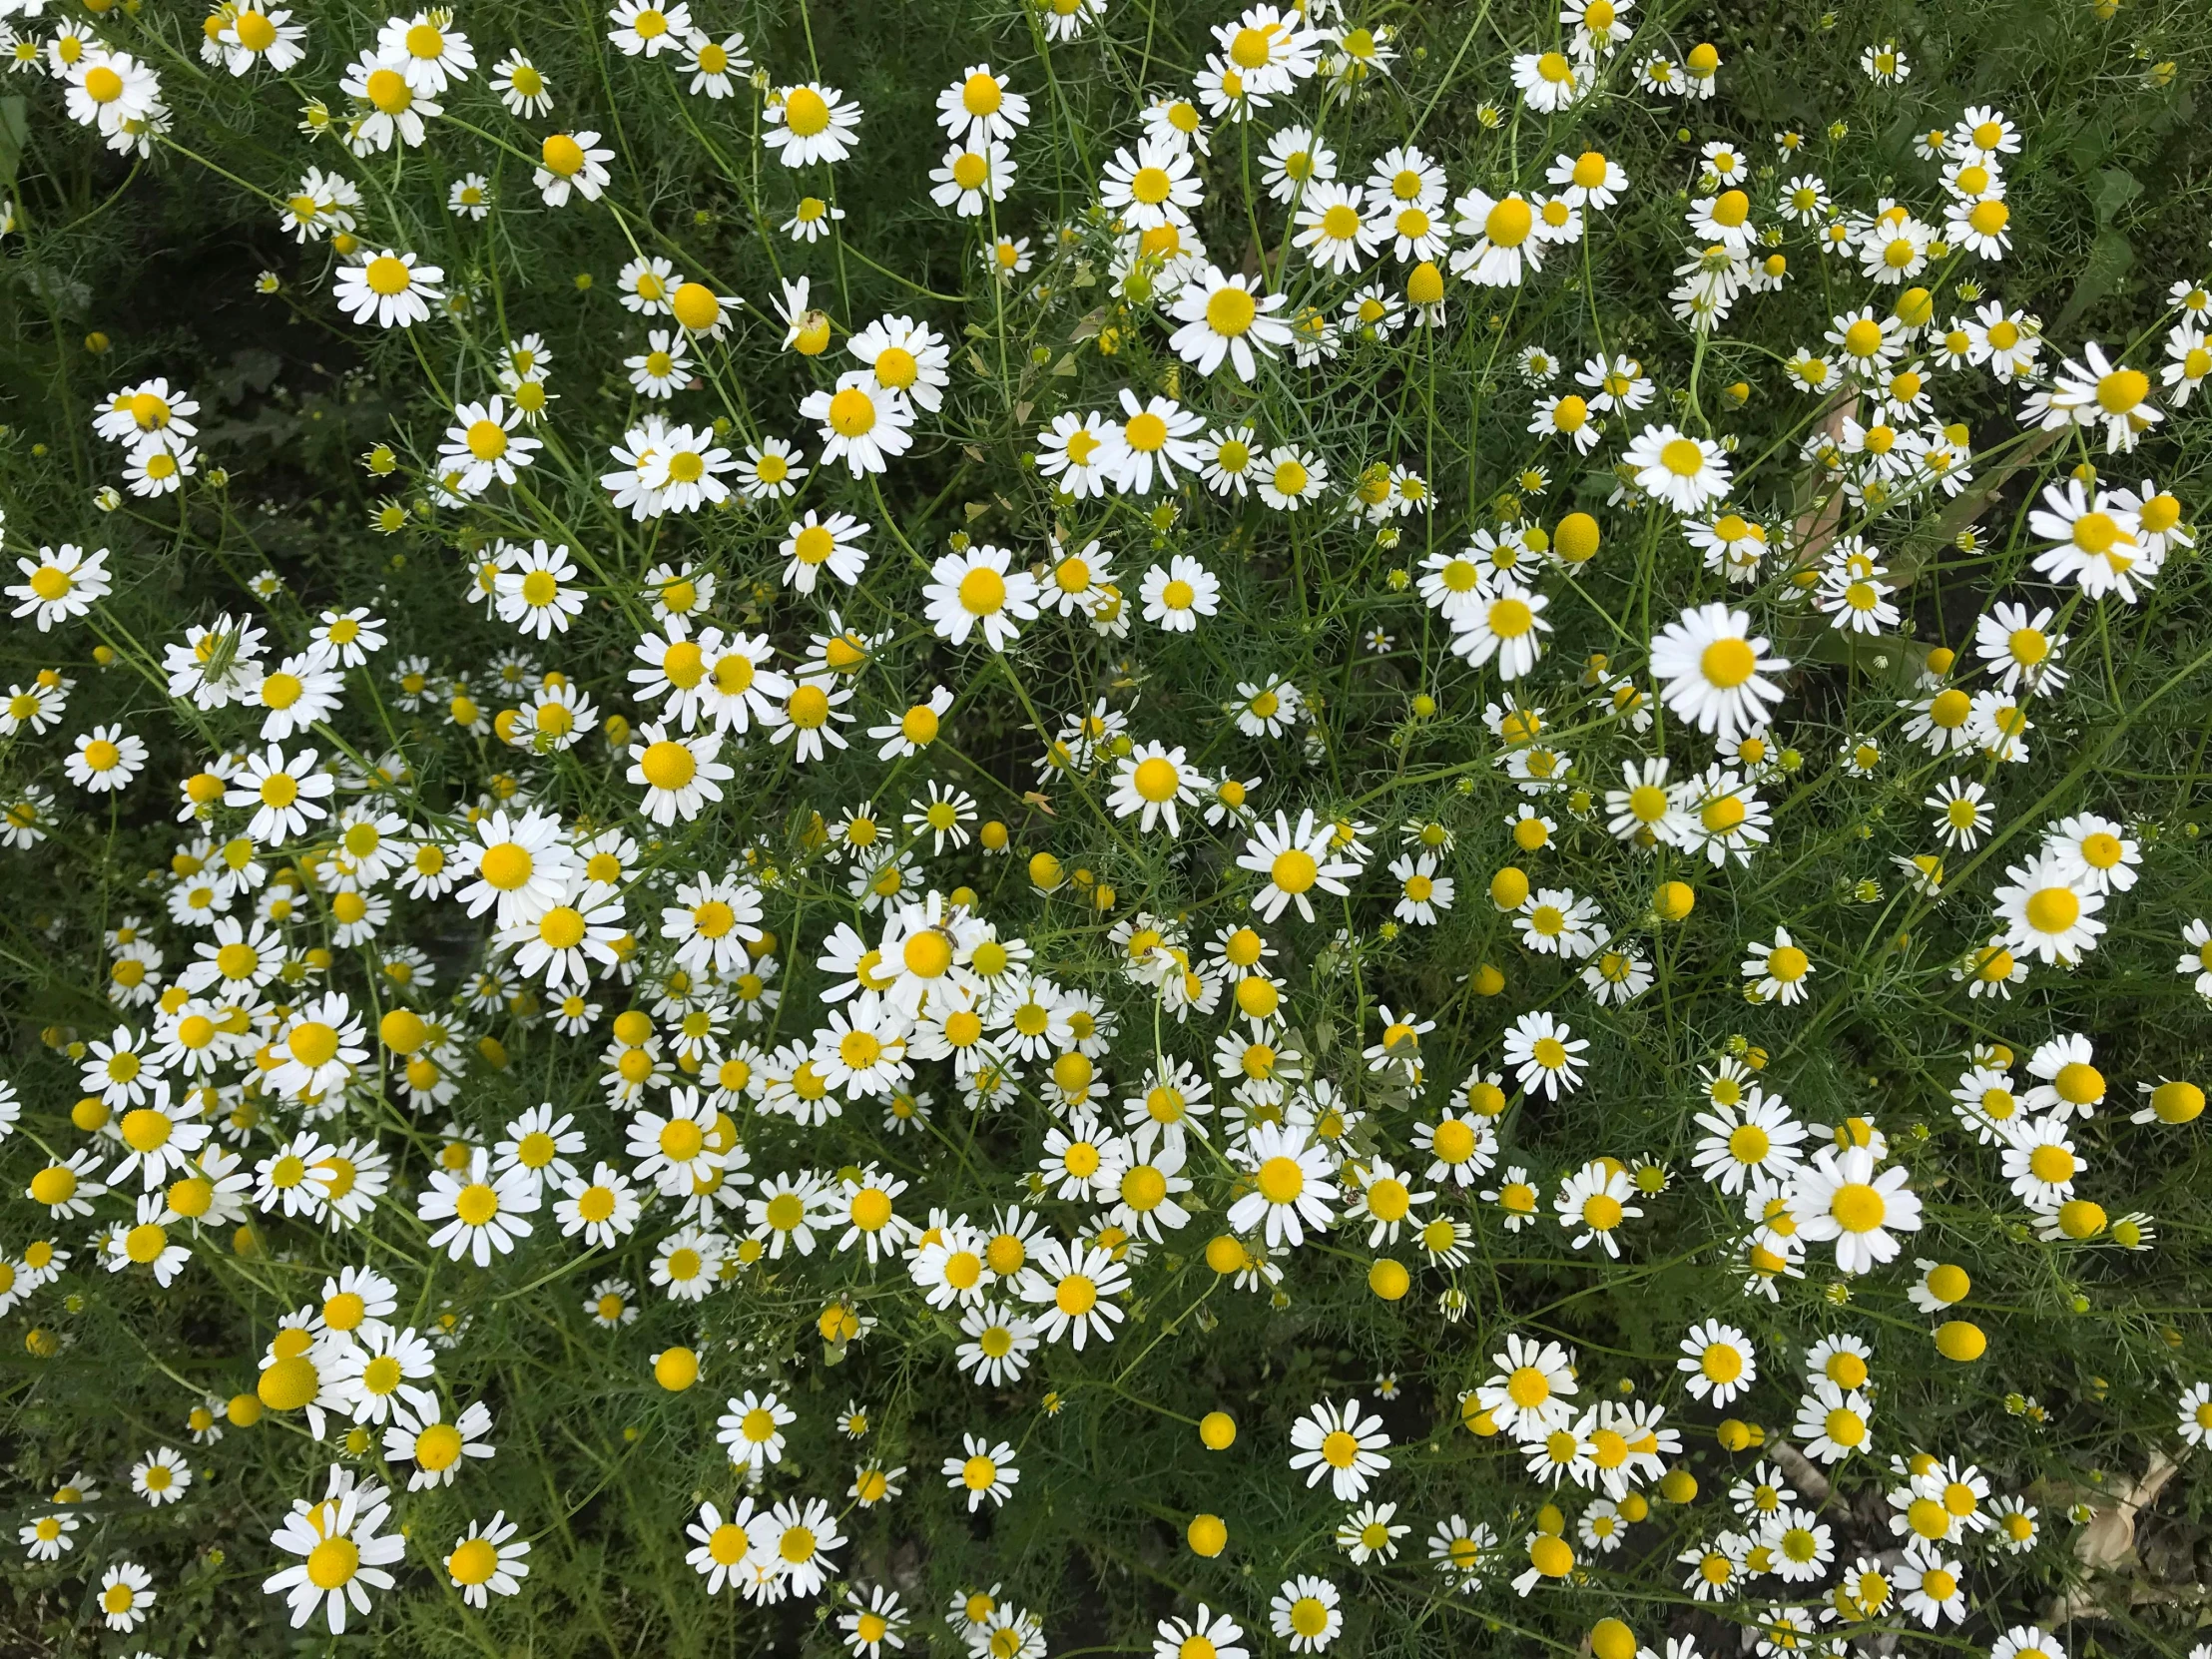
(2111, 257)
(15, 134)
(2115, 189)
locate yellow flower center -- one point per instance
(1858, 1207)
(1231, 312)
(806, 111)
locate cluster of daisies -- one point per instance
(773, 1054)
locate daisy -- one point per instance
(1295, 862)
(2047, 910)
(481, 1212)
(812, 545)
(1336, 234)
(688, 1264)
(998, 1346)
(1156, 185)
(983, 1472)
(1777, 972)
(61, 582)
(1289, 477)
(680, 773)
(751, 1430)
(535, 592)
(488, 1560)
(2104, 857)
(1226, 317)
(1845, 1197)
(726, 1555)
(1151, 781)
(350, 638)
(1177, 595)
(2091, 392)
(1591, 180)
(521, 865)
(1337, 1443)
(1719, 1362)
(770, 471)
(1592, 1203)
(1500, 619)
(2158, 514)
(1751, 1141)
(813, 710)
(389, 288)
(881, 1619)
(158, 467)
(1832, 1423)
(644, 28)
(978, 106)
(571, 162)
(664, 369)
(798, 1535)
(712, 63)
(1157, 434)
(48, 1537)
(979, 588)
(968, 178)
(1009, 256)
(1553, 922)
(1930, 1587)
(2098, 542)
(1292, 1185)
(105, 760)
(2040, 1163)
(1074, 1284)
(126, 1592)
(1500, 244)
(1209, 1633)
(1713, 673)
(343, 1552)
(1527, 1396)
(259, 35)
(863, 422)
(906, 357)
(1305, 1613)
(604, 1210)
(1545, 1054)
(1080, 578)
(1687, 473)
(39, 706)
(1083, 453)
